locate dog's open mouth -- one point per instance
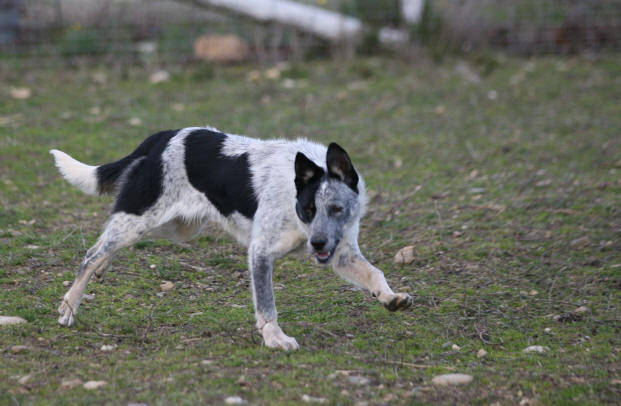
(324, 256)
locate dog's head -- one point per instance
(329, 203)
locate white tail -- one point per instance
(80, 175)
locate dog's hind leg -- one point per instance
(121, 231)
(353, 267)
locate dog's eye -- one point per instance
(310, 211)
(335, 209)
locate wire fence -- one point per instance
(127, 31)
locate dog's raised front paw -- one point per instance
(275, 338)
(399, 301)
(67, 314)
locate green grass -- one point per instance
(490, 192)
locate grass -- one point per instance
(508, 189)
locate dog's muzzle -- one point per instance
(323, 254)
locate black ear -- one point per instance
(340, 166)
(306, 171)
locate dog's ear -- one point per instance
(306, 171)
(340, 166)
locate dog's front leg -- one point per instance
(261, 268)
(352, 266)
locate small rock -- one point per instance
(533, 293)
(206, 362)
(89, 297)
(582, 309)
(90, 385)
(66, 283)
(221, 48)
(167, 285)
(481, 353)
(543, 183)
(455, 347)
(108, 347)
(451, 379)
(20, 93)
(467, 73)
(547, 330)
(177, 106)
(159, 77)
(135, 121)
(405, 255)
(358, 380)
(24, 379)
(234, 400)
(70, 383)
(8, 320)
(536, 348)
(579, 243)
(312, 399)
(20, 348)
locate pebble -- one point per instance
(312, 399)
(405, 255)
(159, 77)
(582, 309)
(451, 379)
(481, 353)
(70, 383)
(536, 348)
(20, 348)
(358, 380)
(455, 347)
(108, 347)
(90, 385)
(580, 243)
(24, 379)
(234, 400)
(167, 285)
(8, 320)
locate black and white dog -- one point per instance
(270, 195)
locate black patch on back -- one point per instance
(225, 180)
(142, 174)
(109, 174)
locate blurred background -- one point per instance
(268, 31)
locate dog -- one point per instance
(270, 195)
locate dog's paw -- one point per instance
(67, 315)
(275, 338)
(399, 301)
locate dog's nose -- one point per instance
(319, 242)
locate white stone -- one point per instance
(452, 379)
(405, 255)
(8, 320)
(536, 348)
(90, 385)
(481, 353)
(234, 400)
